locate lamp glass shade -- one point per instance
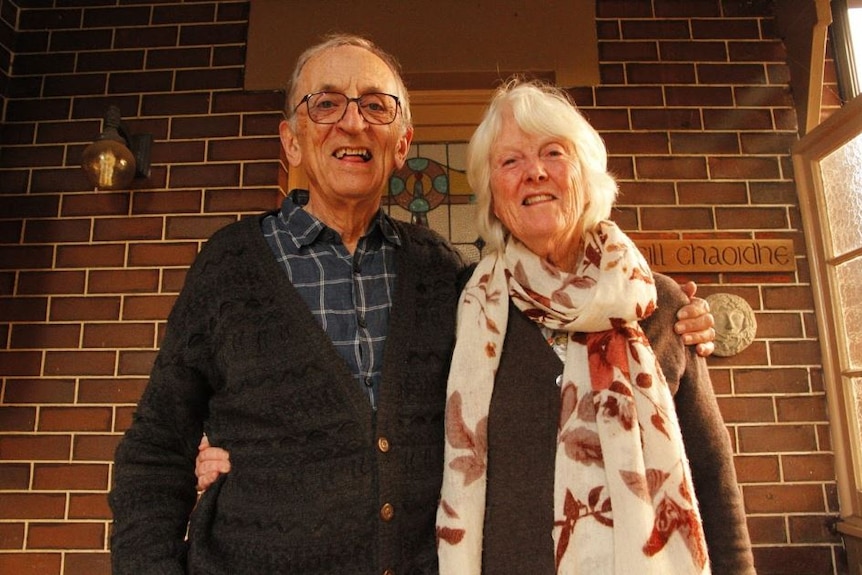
(109, 164)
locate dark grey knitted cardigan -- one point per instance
(315, 471)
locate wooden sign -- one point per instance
(705, 255)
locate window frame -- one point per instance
(847, 62)
(807, 154)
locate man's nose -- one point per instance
(353, 117)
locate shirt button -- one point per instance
(383, 444)
(362, 323)
(369, 382)
(387, 512)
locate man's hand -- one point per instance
(695, 323)
(210, 463)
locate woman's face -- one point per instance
(532, 189)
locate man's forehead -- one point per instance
(341, 67)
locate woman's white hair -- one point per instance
(543, 110)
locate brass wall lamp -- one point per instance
(116, 157)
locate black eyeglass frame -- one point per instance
(307, 98)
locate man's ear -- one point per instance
(403, 147)
(290, 143)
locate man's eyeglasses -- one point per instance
(330, 107)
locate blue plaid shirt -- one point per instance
(349, 294)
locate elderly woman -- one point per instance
(568, 449)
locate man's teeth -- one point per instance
(536, 199)
(361, 152)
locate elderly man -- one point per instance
(313, 344)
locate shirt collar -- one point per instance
(305, 229)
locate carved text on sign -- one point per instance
(704, 255)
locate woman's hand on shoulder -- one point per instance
(695, 324)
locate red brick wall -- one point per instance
(694, 104)
(7, 34)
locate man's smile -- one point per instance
(363, 153)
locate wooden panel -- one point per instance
(455, 44)
(447, 116)
(803, 25)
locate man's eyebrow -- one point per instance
(364, 90)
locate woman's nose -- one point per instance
(536, 170)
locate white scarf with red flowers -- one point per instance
(623, 498)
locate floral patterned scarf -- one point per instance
(623, 499)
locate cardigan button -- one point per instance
(383, 444)
(387, 512)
